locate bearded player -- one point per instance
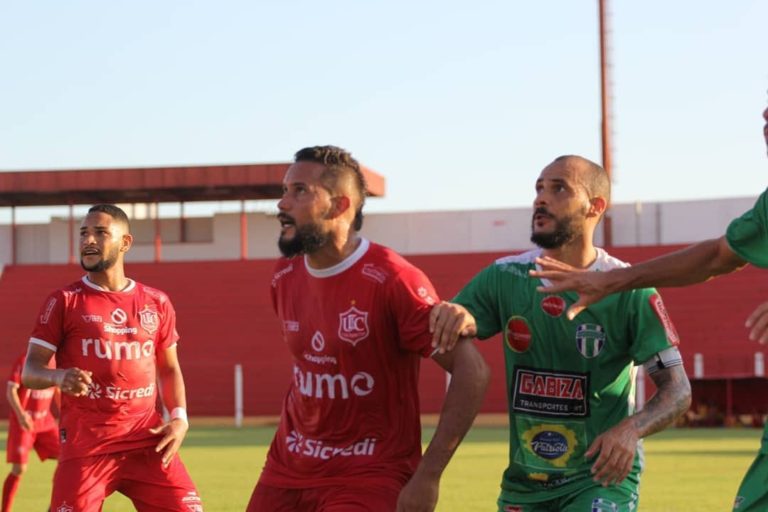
(745, 241)
(355, 317)
(114, 342)
(32, 425)
(575, 438)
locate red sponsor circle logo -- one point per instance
(553, 305)
(669, 328)
(353, 325)
(518, 334)
(513, 508)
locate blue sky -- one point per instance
(458, 104)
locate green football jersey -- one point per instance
(748, 234)
(567, 381)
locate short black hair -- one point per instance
(337, 161)
(113, 211)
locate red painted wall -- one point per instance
(225, 317)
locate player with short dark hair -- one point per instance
(355, 316)
(745, 241)
(575, 436)
(31, 425)
(114, 341)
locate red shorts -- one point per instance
(21, 442)
(333, 498)
(82, 484)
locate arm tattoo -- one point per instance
(672, 398)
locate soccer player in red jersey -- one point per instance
(31, 425)
(355, 316)
(114, 341)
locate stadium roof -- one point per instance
(152, 184)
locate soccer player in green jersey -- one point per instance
(745, 241)
(575, 439)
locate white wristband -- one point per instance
(179, 413)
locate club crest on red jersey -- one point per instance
(149, 319)
(64, 508)
(553, 305)
(353, 325)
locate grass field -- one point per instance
(686, 470)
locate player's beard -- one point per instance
(104, 263)
(566, 229)
(307, 239)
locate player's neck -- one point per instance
(578, 255)
(112, 280)
(334, 252)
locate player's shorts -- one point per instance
(332, 498)
(752, 495)
(82, 484)
(21, 442)
(595, 498)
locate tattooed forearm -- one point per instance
(672, 398)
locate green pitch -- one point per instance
(691, 470)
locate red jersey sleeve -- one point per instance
(18, 366)
(49, 326)
(167, 334)
(411, 297)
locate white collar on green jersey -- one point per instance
(342, 265)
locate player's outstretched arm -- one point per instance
(174, 398)
(12, 394)
(615, 448)
(469, 380)
(448, 322)
(757, 323)
(694, 264)
(37, 375)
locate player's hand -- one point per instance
(419, 494)
(25, 420)
(174, 433)
(591, 286)
(448, 322)
(73, 381)
(758, 324)
(616, 448)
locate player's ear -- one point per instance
(126, 242)
(339, 205)
(597, 206)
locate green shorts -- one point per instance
(594, 498)
(753, 491)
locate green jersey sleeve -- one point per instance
(653, 330)
(748, 234)
(480, 297)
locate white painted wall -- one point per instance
(218, 238)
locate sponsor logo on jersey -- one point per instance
(117, 350)
(46, 315)
(120, 330)
(513, 508)
(192, 502)
(604, 505)
(92, 319)
(669, 328)
(553, 305)
(332, 385)
(517, 334)
(291, 326)
(424, 294)
(318, 342)
(322, 359)
(149, 319)
(96, 391)
(41, 394)
(553, 443)
(64, 507)
(119, 316)
(317, 449)
(353, 325)
(590, 339)
(375, 273)
(550, 393)
(281, 273)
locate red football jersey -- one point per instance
(115, 335)
(357, 332)
(37, 402)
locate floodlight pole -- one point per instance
(605, 103)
